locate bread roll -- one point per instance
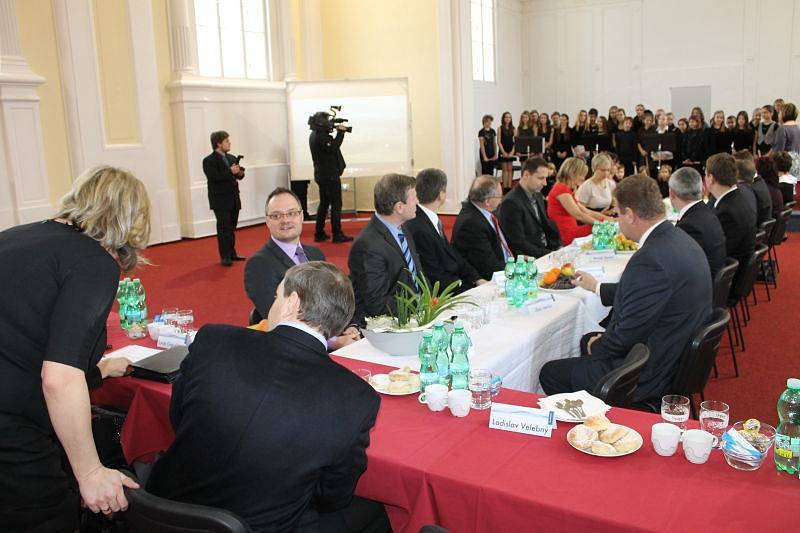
(613, 433)
(602, 448)
(400, 374)
(399, 387)
(629, 442)
(597, 423)
(582, 437)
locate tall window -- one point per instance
(232, 38)
(482, 18)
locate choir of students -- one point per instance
(643, 143)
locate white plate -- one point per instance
(414, 390)
(590, 452)
(556, 291)
(591, 406)
(626, 252)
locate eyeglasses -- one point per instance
(287, 215)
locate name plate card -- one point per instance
(527, 420)
(543, 302)
(600, 255)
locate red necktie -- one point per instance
(500, 236)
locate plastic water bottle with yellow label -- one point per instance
(787, 434)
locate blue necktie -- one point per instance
(407, 255)
(301, 255)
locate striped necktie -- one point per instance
(301, 255)
(407, 255)
(501, 237)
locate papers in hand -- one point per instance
(133, 353)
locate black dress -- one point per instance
(562, 142)
(743, 139)
(58, 287)
(525, 133)
(488, 136)
(507, 142)
(626, 150)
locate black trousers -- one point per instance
(361, 516)
(226, 236)
(573, 373)
(300, 188)
(330, 194)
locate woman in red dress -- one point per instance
(562, 207)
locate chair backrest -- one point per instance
(722, 282)
(148, 513)
(617, 387)
(698, 357)
(761, 236)
(255, 317)
(779, 229)
(790, 205)
(786, 214)
(750, 275)
(768, 226)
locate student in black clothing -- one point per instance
(488, 145)
(697, 112)
(524, 130)
(693, 149)
(730, 122)
(756, 120)
(782, 162)
(562, 141)
(748, 178)
(592, 126)
(766, 171)
(625, 146)
(638, 120)
(683, 125)
(765, 133)
(663, 180)
(613, 126)
(505, 135)
(648, 128)
(743, 136)
(716, 135)
(543, 129)
(579, 132)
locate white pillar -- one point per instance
(24, 192)
(183, 44)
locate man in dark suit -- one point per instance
(749, 178)
(737, 219)
(695, 217)
(477, 234)
(440, 261)
(223, 174)
(265, 269)
(662, 298)
(256, 432)
(523, 216)
(329, 164)
(383, 253)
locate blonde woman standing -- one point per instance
(59, 278)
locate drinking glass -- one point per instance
(714, 417)
(168, 315)
(675, 410)
(480, 385)
(364, 374)
(184, 320)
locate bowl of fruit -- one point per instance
(558, 279)
(624, 245)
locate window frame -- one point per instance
(483, 44)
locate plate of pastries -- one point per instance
(599, 436)
(396, 383)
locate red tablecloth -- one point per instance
(435, 468)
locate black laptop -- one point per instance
(163, 366)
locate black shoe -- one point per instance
(320, 237)
(226, 262)
(342, 238)
(238, 258)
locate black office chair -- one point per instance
(255, 317)
(617, 387)
(790, 205)
(768, 227)
(695, 363)
(761, 236)
(779, 234)
(148, 513)
(721, 295)
(744, 289)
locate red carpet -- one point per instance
(187, 274)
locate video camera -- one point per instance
(325, 121)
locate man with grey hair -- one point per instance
(262, 402)
(383, 253)
(476, 233)
(662, 298)
(695, 217)
(440, 261)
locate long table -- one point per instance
(516, 344)
(434, 468)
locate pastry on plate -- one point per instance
(399, 387)
(401, 374)
(597, 423)
(603, 448)
(613, 433)
(629, 442)
(582, 437)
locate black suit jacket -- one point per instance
(223, 186)
(763, 200)
(440, 261)
(662, 298)
(265, 269)
(524, 233)
(326, 153)
(703, 226)
(256, 432)
(376, 265)
(739, 225)
(476, 241)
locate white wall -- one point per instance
(506, 93)
(597, 53)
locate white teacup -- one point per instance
(459, 401)
(435, 397)
(665, 438)
(697, 445)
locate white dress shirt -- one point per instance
(433, 217)
(721, 196)
(685, 208)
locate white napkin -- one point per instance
(591, 404)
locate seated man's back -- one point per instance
(257, 432)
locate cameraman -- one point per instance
(223, 173)
(328, 167)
